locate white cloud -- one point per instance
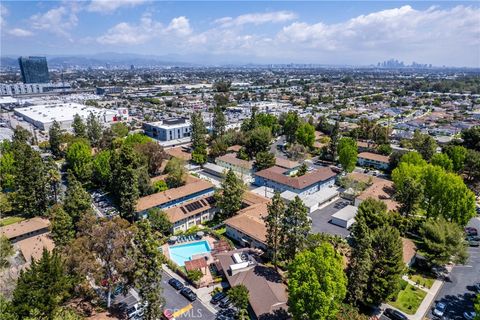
(109, 6)
(256, 18)
(18, 32)
(147, 29)
(57, 20)
(180, 26)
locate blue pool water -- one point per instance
(184, 252)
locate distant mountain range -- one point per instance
(102, 59)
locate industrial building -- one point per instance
(166, 130)
(12, 89)
(43, 116)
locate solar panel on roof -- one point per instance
(183, 209)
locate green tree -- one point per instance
(101, 168)
(239, 296)
(409, 194)
(316, 284)
(62, 230)
(305, 135)
(53, 178)
(175, 169)
(159, 221)
(153, 155)
(442, 242)
(219, 122)
(102, 253)
(7, 170)
(413, 157)
(120, 129)
(159, 186)
(347, 153)
(264, 160)
(258, 140)
(199, 143)
(42, 288)
(77, 202)
(79, 160)
(302, 170)
(477, 307)
(125, 180)
(290, 123)
(424, 144)
(296, 225)
(55, 134)
(442, 160)
(458, 155)
(273, 223)
(94, 129)
(148, 261)
(334, 136)
(30, 196)
(6, 250)
(79, 127)
(472, 165)
(229, 196)
(270, 121)
(136, 139)
(471, 138)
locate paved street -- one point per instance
(174, 301)
(321, 218)
(458, 293)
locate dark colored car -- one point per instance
(471, 231)
(189, 294)
(217, 297)
(394, 314)
(176, 283)
(224, 303)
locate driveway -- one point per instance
(321, 219)
(458, 293)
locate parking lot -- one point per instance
(321, 219)
(175, 301)
(103, 204)
(458, 293)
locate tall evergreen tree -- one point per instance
(229, 197)
(199, 142)
(79, 160)
(42, 288)
(148, 262)
(94, 129)
(55, 134)
(77, 201)
(219, 122)
(295, 227)
(79, 127)
(273, 223)
(62, 230)
(31, 195)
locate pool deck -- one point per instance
(207, 278)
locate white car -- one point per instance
(469, 315)
(439, 309)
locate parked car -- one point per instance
(217, 297)
(439, 309)
(469, 315)
(132, 311)
(471, 231)
(176, 284)
(394, 314)
(473, 243)
(225, 303)
(189, 294)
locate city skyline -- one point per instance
(348, 33)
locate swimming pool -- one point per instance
(184, 252)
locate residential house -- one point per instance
(378, 161)
(242, 168)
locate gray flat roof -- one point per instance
(346, 213)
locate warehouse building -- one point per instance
(43, 116)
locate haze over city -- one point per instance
(443, 33)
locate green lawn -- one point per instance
(9, 220)
(409, 299)
(422, 280)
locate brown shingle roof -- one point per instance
(23, 227)
(160, 198)
(32, 248)
(409, 250)
(277, 174)
(381, 189)
(374, 156)
(177, 213)
(284, 163)
(196, 264)
(179, 153)
(250, 221)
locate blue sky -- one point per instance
(337, 32)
